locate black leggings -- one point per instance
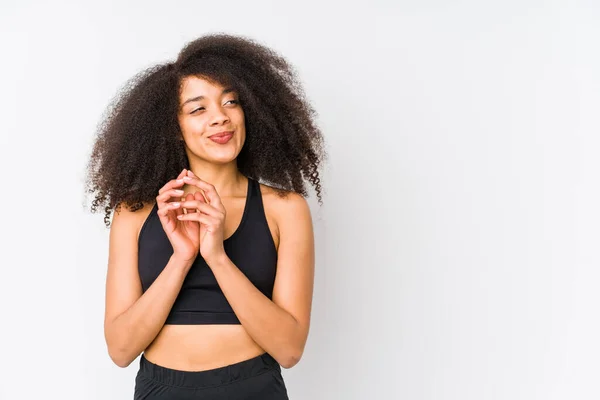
(256, 378)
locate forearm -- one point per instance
(132, 331)
(270, 326)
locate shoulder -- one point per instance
(288, 201)
(126, 219)
(285, 207)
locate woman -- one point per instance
(210, 273)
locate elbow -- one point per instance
(120, 348)
(120, 353)
(291, 359)
(293, 353)
(120, 358)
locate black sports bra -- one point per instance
(200, 300)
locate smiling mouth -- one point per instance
(221, 134)
(221, 139)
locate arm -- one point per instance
(133, 320)
(280, 326)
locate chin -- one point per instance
(223, 157)
(221, 161)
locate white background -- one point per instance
(457, 249)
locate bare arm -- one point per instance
(281, 325)
(132, 319)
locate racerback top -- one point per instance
(200, 301)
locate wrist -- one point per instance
(217, 260)
(181, 262)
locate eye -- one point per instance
(197, 109)
(234, 101)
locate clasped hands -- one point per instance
(192, 223)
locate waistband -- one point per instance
(211, 377)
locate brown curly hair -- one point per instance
(137, 148)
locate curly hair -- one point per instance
(137, 147)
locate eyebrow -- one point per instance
(198, 98)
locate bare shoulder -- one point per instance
(290, 205)
(133, 220)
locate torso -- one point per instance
(202, 347)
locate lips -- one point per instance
(221, 134)
(221, 139)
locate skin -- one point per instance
(213, 198)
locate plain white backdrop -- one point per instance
(457, 248)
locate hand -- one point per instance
(211, 217)
(183, 235)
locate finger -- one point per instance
(177, 181)
(198, 217)
(200, 197)
(172, 184)
(166, 196)
(209, 190)
(178, 210)
(187, 210)
(163, 211)
(192, 175)
(203, 207)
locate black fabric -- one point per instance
(200, 300)
(258, 378)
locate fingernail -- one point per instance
(179, 191)
(175, 204)
(187, 178)
(179, 180)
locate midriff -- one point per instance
(201, 347)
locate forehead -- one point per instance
(195, 86)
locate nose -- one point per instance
(219, 117)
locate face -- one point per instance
(207, 109)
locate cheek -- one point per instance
(241, 116)
(192, 126)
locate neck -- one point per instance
(226, 178)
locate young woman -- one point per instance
(210, 273)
